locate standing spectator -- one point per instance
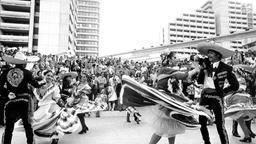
(102, 81)
(111, 97)
(236, 58)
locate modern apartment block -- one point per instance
(215, 18)
(57, 23)
(87, 37)
(18, 24)
(198, 25)
(50, 26)
(231, 17)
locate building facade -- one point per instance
(189, 27)
(87, 37)
(214, 18)
(50, 26)
(18, 24)
(57, 23)
(231, 17)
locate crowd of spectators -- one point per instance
(105, 72)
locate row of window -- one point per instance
(87, 36)
(196, 21)
(192, 37)
(193, 26)
(91, 14)
(85, 19)
(237, 27)
(200, 16)
(88, 31)
(238, 12)
(204, 11)
(242, 18)
(187, 36)
(88, 25)
(90, 3)
(87, 48)
(86, 54)
(239, 42)
(86, 8)
(88, 42)
(200, 32)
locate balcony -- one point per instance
(16, 17)
(15, 5)
(11, 27)
(13, 40)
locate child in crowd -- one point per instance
(132, 110)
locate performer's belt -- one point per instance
(22, 96)
(209, 91)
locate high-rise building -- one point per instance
(18, 24)
(232, 16)
(198, 25)
(87, 37)
(215, 18)
(57, 22)
(50, 26)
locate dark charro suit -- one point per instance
(16, 80)
(214, 99)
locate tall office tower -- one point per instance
(87, 38)
(57, 22)
(232, 17)
(17, 24)
(189, 27)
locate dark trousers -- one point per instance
(81, 118)
(13, 111)
(2, 104)
(214, 103)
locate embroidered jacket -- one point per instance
(17, 80)
(222, 73)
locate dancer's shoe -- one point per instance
(236, 134)
(55, 141)
(246, 140)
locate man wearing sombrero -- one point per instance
(15, 81)
(213, 78)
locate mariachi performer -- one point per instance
(20, 103)
(213, 75)
(168, 114)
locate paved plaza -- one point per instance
(111, 128)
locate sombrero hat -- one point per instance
(71, 74)
(20, 58)
(204, 47)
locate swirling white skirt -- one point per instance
(160, 122)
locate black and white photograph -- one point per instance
(127, 71)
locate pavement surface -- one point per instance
(112, 128)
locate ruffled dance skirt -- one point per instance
(58, 123)
(240, 105)
(158, 118)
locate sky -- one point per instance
(126, 25)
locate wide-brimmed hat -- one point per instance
(20, 58)
(71, 74)
(204, 47)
